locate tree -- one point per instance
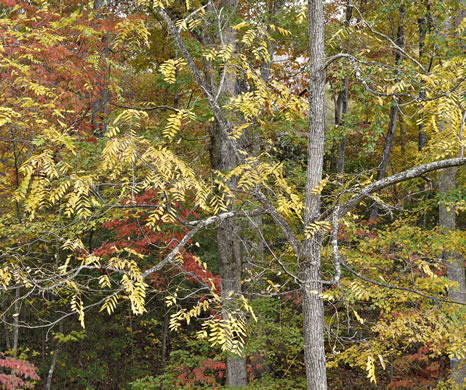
(141, 176)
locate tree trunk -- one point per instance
(48, 386)
(99, 113)
(313, 310)
(455, 263)
(7, 336)
(393, 109)
(447, 222)
(16, 320)
(229, 248)
(229, 252)
(342, 103)
(223, 158)
(425, 25)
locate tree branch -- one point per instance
(399, 177)
(279, 220)
(345, 266)
(162, 107)
(194, 70)
(394, 44)
(198, 225)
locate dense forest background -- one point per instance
(260, 194)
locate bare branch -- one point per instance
(162, 107)
(436, 299)
(393, 43)
(194, 70)
(399, 177)
(198, 225)
(279, 220)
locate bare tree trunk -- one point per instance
(229, 247)
(340, 111)
(165, 342)
(16, 320)
(447, 222)
(341, 104)
(17, 306)
(424, 25)
(165, 335)
(48, 386)
(313, 309)
(455, 263)
(229, 252)
(223, 158)
(99, 111)
(7, 336)
(393, 109)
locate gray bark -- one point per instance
(341, 105)
(99, 112)
(17, 309)
(229, 252)
(455, 263)
(341, 108)
(447, 222)
(424, 25)
(7, 336)
(343, 96)
(393, 109)
(48, 385)
(409, 174)
(313, 309)
(223, 158)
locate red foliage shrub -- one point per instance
(18, 369)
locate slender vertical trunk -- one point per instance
(17, 306)
(343, 98)
(343, 101)
(99, 111)
(388, 140)
(165, 335)
(105, 92)
(16, 320)
(7, 336)
(424, 26)
(447, 222)
(393, 108)
(48, 385)
(165, 341)
(313, 309)
(455, 263)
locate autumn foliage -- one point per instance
(21, 373)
